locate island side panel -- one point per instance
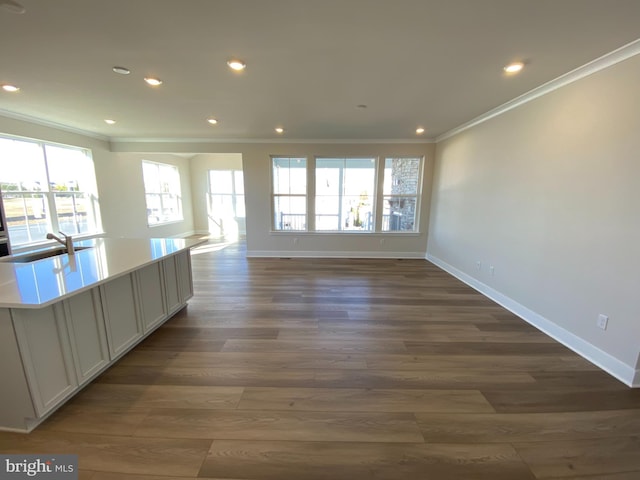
(15, 396)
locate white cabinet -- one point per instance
(121, 317)
(87, 334)
(43, 340)
(151, 297)
(48, 353)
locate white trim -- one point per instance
(623, 53)
(50, 124)
(117, 140)
(618, 369)
(327, 254)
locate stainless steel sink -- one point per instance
(34, 256)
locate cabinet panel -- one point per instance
(87, 334)
(15, 397)
(46, 355)
(172, 288)
(151, 296)
(121, 314)
(185, 278)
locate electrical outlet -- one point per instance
(382, 241)
(603, 321)
(295, 240)
(478, 265)
(492, 270)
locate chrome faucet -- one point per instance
(67, 242)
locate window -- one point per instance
(162, 192)
(225, 203)
(289, 176)
(345, 194)
(400, 194)
(47, 188)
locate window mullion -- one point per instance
(311, 194)
(49, 195)
(379, 194)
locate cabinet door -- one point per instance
(151, 299)
(120, 314)
(46, 355)
(185, 279)
(83, 313)
(172, 288)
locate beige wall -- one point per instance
(261, 241)
(549, 194)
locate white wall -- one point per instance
(548, 193)
(119, 181)
(122, 198)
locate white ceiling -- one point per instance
(430, 63)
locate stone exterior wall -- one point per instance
(404, 181)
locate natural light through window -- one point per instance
(345, 194)
(289, 177)
(47, 188)
(225, 203)
(162, 193)
(401, 194)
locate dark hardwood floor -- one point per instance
(329, 369)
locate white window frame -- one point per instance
(340, 214)
(166, 199)
(377, 201)
(417, 197)
(294, 225)
(48, 194)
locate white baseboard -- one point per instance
(326, 254)
(618, 369)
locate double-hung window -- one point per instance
(162, 193)
(47, 188)
(401, 194)
(289, 185)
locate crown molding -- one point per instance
(47, 123)
(619, 55)
(116, 140)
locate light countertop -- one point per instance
(47, 281)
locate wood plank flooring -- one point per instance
(336, 369)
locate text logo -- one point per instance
(50, 467)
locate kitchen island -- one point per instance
(67, 318)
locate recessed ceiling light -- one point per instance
(109, 121)
(514, 67)
(154, 82)
(237, 65)
(13, 7)
(419, 130)
(10, 88)
(212, 121)
(279, 130)
(121, 70)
